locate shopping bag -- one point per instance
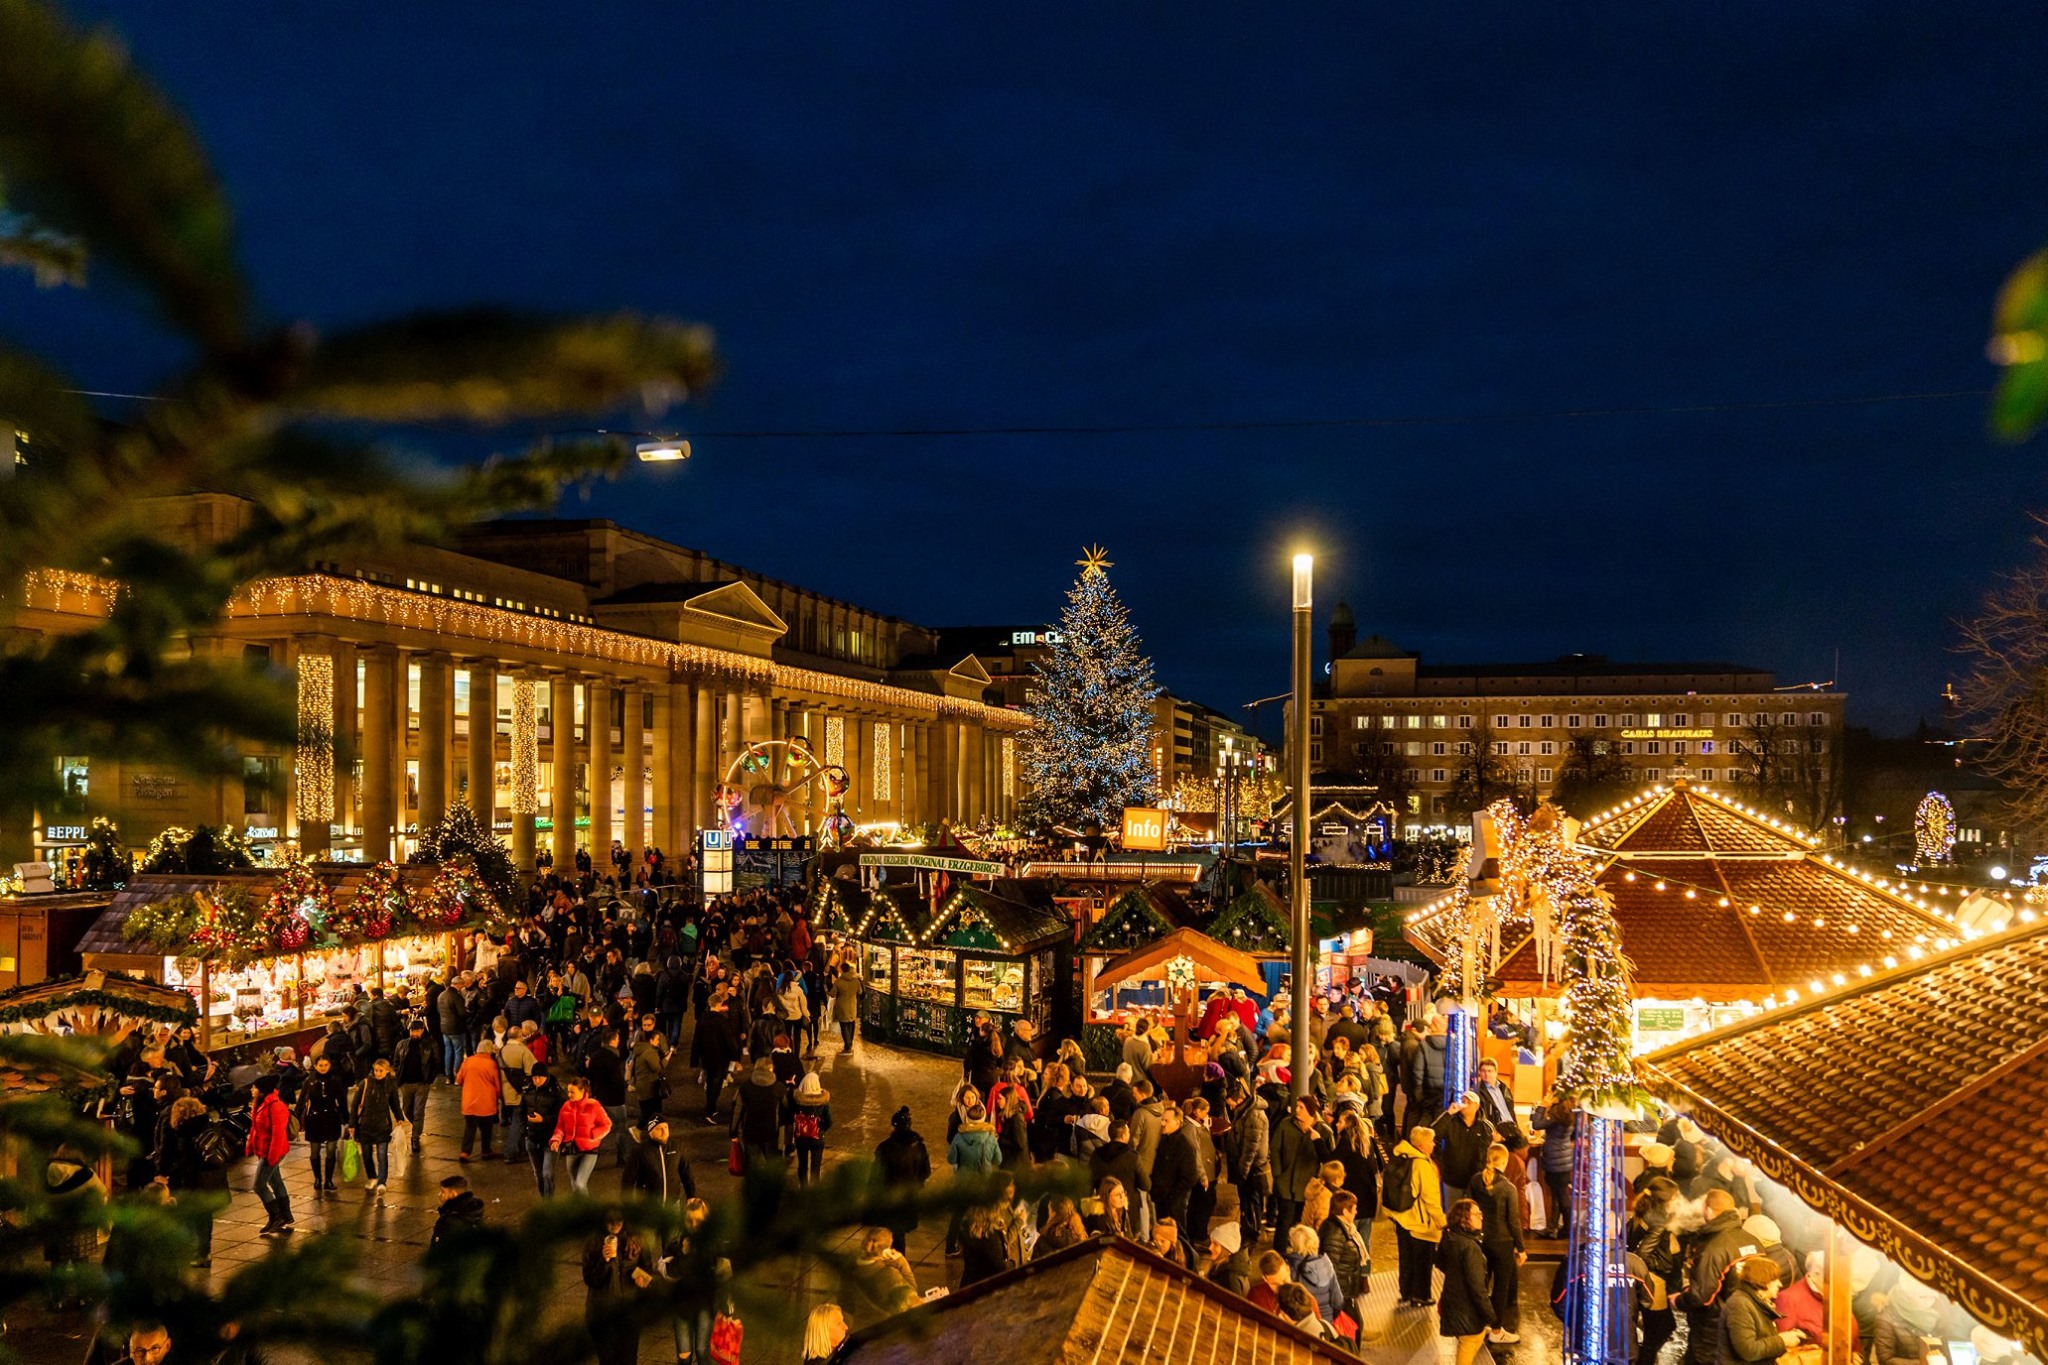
(1346, 1326)
(726, 1331)
(736, 1162)
(351, 1159)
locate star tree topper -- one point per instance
(1094, 559)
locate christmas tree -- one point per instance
(1090, 754)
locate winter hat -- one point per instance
(1228, 1236)
(1763, 1228)
(764, 1072)
(901, 1118)
(810, 1090)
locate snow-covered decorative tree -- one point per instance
(1090, 754)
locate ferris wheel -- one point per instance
(764, 778)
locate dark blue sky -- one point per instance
(915, 215)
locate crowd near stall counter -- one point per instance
(275, 997)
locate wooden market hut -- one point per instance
(1902, 1108)
(1106, 1300)
(1256, 921)
(1721, 908)
(1206, 960)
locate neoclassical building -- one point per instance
(575, 683)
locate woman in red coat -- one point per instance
(270, 1139)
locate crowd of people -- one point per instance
(566, 1038)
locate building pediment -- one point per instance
(736, 605)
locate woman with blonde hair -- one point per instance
(824, 1330)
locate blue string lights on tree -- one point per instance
(1090, 753)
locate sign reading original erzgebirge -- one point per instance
(926, 862)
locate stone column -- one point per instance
(731, 731)
(704, 749)
(977, 768)
(597, 738)
(347, 738)
(690, 779)
(860, 766)
(380, 746)
(674, 806)
(926, 774)
(312, 781)
(483, 743)
(663, 837)
(435, 724)
(525, 759)
(633, 749)
(562, 752)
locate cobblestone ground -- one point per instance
(867, 1087)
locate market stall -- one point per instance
(927, 978)
(268, 957)
(1179, 966)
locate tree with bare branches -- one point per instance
(2005, 692)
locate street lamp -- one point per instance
(1297, 853)
(658, 448)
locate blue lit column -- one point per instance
(1460, 1022)
(1598, 1322)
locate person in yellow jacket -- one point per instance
(1412, 1194)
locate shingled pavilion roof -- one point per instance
(1905, 1107)
(1104, 1302)
(1724, 903)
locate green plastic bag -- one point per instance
(351, 1160)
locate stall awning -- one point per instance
(1904, 1106)
(896, 914)
(974, 918)
(1137, 917)
(1213, 962)
(96, 1005)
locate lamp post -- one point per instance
(1297, 852)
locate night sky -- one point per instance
(935, 215)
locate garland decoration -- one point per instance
(227, 926)
(296, 912)
(375, 911)
(457, 895)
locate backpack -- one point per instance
(1397, 1193)
(216, 1144)
(805, 1125)
(563, 1010)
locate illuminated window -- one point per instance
(1543, 775)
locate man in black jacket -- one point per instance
(656, 1167)
(461, 1212)
(539, 1109)
(757, 1114)
(1118, 1158)
(416, 1061)
(1462, 1137)
(1176, 1167)
(1721, 1242)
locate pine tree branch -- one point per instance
(94, 152)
